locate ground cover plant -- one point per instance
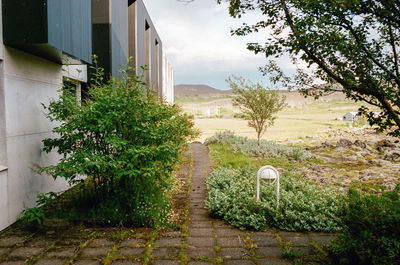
(231, 188)
(127, 141)
(256, 148)
(302, 207)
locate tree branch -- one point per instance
(368, 54)
(393, 43)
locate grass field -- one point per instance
(312, 118)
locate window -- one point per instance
(73, 87)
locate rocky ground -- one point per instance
(353, 157)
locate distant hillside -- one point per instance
(200, 91)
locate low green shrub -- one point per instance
(126, 141)
(36, 214)
(302, 206)
(371, 230)
(250, 147)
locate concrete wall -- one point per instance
(28, 82)
(139, 54)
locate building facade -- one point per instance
(41, 43)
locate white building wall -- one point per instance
(29, 81)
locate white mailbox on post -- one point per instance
(270, 174)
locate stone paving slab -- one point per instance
(274, 262)
(201, 252)
(101, 242)
(228, 232)
(264, 241)
(126, 262)
(131, 252)
(200, 263)
(297, 240)
(61, 253)
(11, 241)
(20, 262)
(41, 242)
(71, 242)
(238, 262)
(231, 241)
(25, 252)
(86, 262)
(165, 252)
(201, 232)
(3, 251)
(269, 252)
(200, 224)
(97, 252)
(168, 242)
(51, 262)
(166, 262)
(235, 253)
(201, 241)
(134, 242)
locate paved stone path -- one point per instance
(200, 240)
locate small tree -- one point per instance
(257, 103)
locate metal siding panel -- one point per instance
(70, 27)
(119, 35)
(67, 21)
(54, 24)
(77, 22)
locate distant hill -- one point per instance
(200, 91)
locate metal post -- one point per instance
(265, 173)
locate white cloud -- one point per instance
(197, 40)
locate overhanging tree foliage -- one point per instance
(353, 43)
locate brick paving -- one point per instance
(200, 240)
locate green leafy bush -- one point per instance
(371, 233)
(36, 214)
(250, 147)
(302, 207)
(126, 140)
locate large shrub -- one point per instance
(253, 148)
(371, 233)
(302, 207)
(126, 141)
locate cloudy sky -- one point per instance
(198, 43)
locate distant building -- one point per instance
(350, 116)
(43, 45)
